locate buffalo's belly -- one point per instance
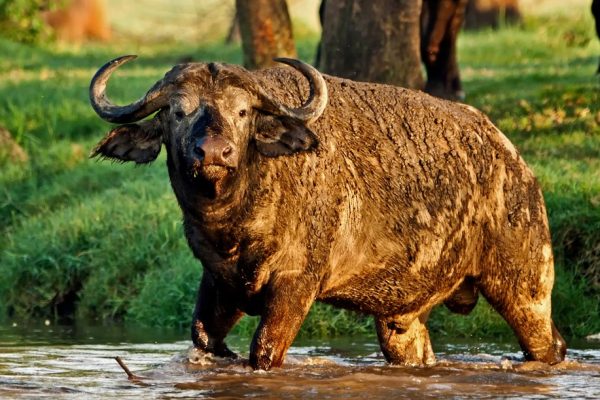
(390, 291)
(405, 280)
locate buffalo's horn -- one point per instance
(153, 100)
(317, 100)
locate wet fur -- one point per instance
(402, 202)
(406, 197)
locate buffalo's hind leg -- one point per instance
(214, 316)
(527, 310)
(517, 266)
(408, 345)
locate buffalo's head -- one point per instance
(209, 116)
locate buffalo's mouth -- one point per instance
(209, 179)
(209, 172)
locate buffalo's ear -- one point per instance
(131, 142)
(277, 136)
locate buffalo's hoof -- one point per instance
(223, 351)
(198, 356)
(261, 362)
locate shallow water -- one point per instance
(67, 362)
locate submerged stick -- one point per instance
(130, 375)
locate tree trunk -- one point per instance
(376, 41)
(266, 31)
(491, 13)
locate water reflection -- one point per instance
(60, 362)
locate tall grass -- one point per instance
(91, 240)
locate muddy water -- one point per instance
(64, 362)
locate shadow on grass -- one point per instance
(560, 147)
(541, 87)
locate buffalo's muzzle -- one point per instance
(215, 150)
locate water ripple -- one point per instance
(342, 368)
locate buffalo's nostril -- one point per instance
(199, 150)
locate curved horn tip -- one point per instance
(123, 59)
(111, 66)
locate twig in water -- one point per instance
(130, 375)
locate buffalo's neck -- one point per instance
(217, 221)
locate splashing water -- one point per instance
(53, 362)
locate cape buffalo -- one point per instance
(371, 197)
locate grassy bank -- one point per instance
(93, 240)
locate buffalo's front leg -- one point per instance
(288, 300)
(214, 316)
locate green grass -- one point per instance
(95, 241)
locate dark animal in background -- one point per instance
(441, 21)
(378, 199)
(596, 13)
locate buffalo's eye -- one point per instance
(242, 113)
(179, 115)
